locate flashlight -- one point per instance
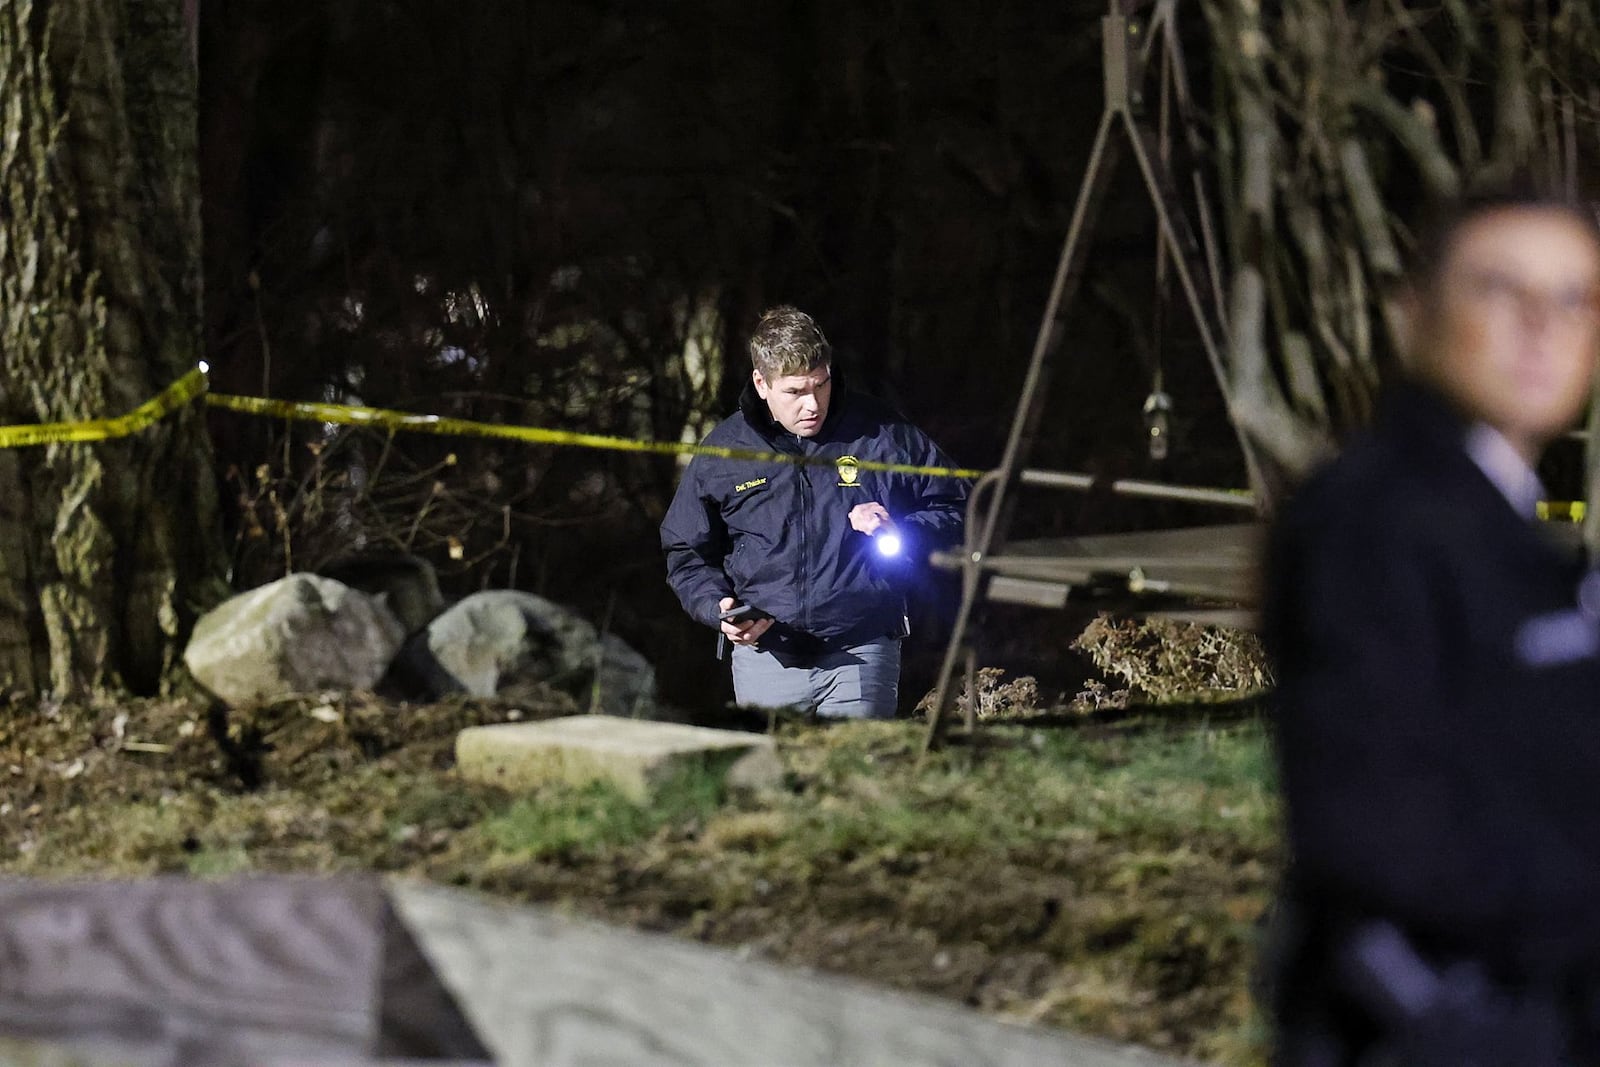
(887, 539)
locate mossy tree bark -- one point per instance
(107, 550)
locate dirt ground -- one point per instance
(1102, 872)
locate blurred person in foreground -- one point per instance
(804, 544)
(1439, 737)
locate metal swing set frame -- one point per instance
(1210, 563)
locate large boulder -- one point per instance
(493, 642)
(300, 634)
(408, 585)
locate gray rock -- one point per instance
(300, 634)
(494, 641)
(627, 679)
(408, 585)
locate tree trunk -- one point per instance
(108, 549)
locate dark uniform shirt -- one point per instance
(778, 535)
(1440, 709)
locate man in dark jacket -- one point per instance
(798, 543)
(1439, 683)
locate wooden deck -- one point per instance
(1218, 565)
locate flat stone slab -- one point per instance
(274, 971)
(634, 755)
(554, 991)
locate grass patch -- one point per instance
(1103, 876)
(588, 818)
(1164, 786)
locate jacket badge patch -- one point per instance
(751, 484)
(849, 470)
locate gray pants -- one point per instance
(857, 682)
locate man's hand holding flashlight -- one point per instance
(872, 519)
(747, 632)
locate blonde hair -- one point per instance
(786, 342)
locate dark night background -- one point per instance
(505, 211)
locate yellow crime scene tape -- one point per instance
(193, 385)
(151, 411)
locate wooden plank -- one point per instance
(552, 991)
(1007, 590)
(1233, 618)
(1211, 562)
(253, 971)
(1237, 542)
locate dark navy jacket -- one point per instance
(1440, 704)
(778, 535)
